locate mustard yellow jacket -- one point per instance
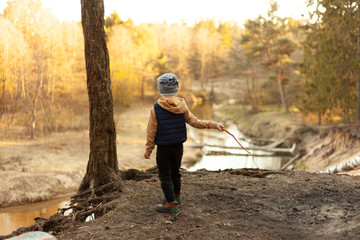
(175, 105)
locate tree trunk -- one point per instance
(346, 103)
(102, 166)
(142, 86)
(36, 93)
(254, 104)
(282, 93)
(346, 166)
(23, 91)
(358, 78)
(3, 101)
(212, 88)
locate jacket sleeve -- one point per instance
(197, 123)
(151, 132)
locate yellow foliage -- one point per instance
(297, 72)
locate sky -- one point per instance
(171, 11)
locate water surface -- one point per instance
(12, 218)
(262, 159)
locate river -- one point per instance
(262, 160)
(12, 218)
(239, 159)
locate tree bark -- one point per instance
(346, 166)
(3, 103)
(102, 166)
(358, 78)
(33, 112)
(36, 93)
(281, 87)
(142, 85)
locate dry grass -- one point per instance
(54, 164)
(69, 114)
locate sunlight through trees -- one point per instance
(308, 66)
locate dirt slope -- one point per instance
(321, 147)
(331, 146)
(233, 205)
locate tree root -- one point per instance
(104, 188)
(255, 173)
(137, 175)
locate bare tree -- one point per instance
(102, 166)
(13, 48)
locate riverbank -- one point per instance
(237, 204)
(56, 164)
(319, 146)
(44, 168)
(60, 160)
(48, 167)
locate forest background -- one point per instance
(308, 66)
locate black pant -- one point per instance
(168, 160)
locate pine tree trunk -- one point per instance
(282, 93)
(102, 166)
(346, 103)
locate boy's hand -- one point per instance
(146, 155)
(220, 127)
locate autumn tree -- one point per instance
(147, 50)
(102, 166)
(125, 80)
(208, 52)
(111, 21)
(70, 72)
(331, 60)
(246, 65)
(13, 66)
(269, 36)
(46, 69)
(174, 43)
(25, 17)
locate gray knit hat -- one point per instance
(168, 84)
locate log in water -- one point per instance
(221, 151)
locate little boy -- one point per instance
(167, 129)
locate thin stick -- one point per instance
(252, 156)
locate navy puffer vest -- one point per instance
(171, 127)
